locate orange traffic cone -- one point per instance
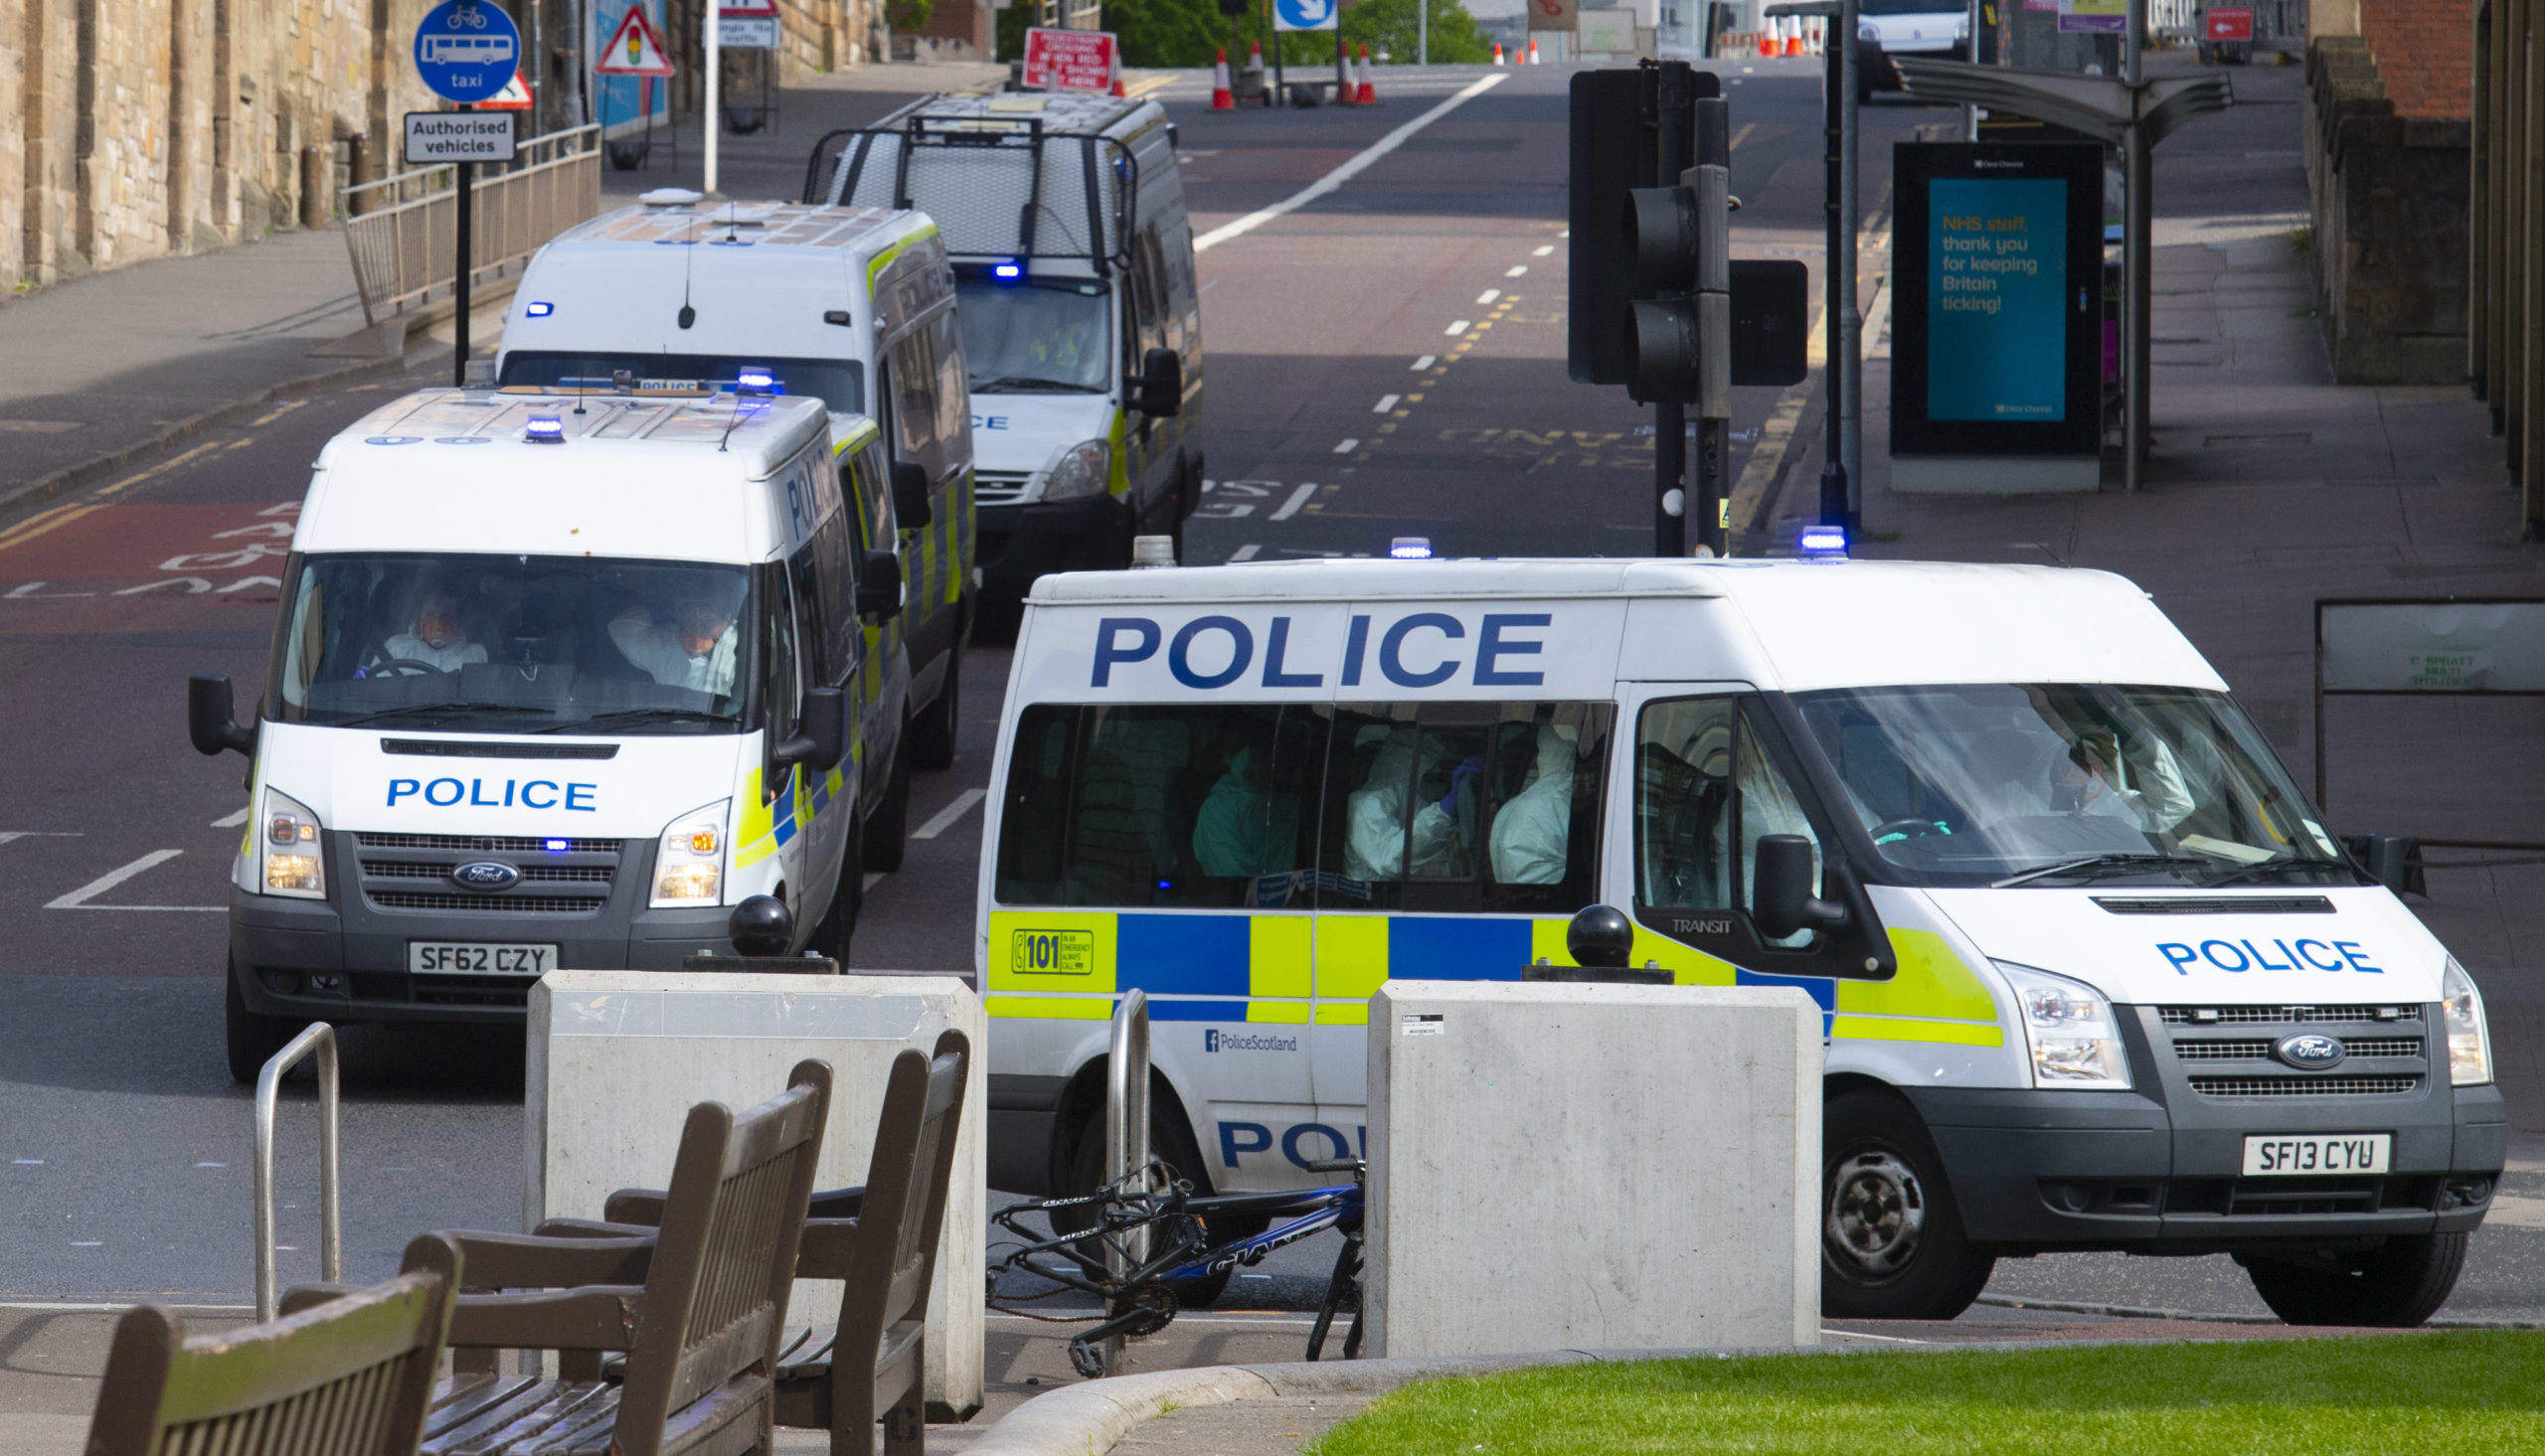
(1367, 94)
(1533, 50)
(1497, 52)
(1221, 100)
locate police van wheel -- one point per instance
(932, 735)
(888, 828)
(2396, 1285)
(1892, 1246)
(252, 1039)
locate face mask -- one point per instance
(437, 633)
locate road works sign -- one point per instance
(2224, 23)
(1071, 61)
(467, 49)
(634, 48)
(1307, 14)
(515, 97)
(435, 138)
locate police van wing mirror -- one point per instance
(879, 585)
(911, 509)
(1159, 390)
(1780, 901)
(2392, 860)
(211, 718)
(820, 738)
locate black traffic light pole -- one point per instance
(1670, 417)
(1712, 181)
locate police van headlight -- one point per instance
(2470, 1040)
(1084, 469)
(291, 860)
(2070, 1027)
(689, 868)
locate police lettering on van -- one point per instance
(2085, 958)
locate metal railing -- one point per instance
(1126, 1132)
(321, 1038)
(403, 230)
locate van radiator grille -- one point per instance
(2305, 1086)
(485, 843)
(2244, 1016)
(998, 487)
(2248, 1050)
(493, 904)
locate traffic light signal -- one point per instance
(1651, 263)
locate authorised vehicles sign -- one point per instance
(459, 137)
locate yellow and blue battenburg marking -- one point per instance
(771, 822)
(1070, 964)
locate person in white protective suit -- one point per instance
(1535, 828)
(438, 639)
(1377, 845)
(1243, 828)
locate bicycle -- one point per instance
(1153, 1199)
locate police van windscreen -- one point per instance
(515, 644)
(840, 384)
(1053, 336)
(2002, 782)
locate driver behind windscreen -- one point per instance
(2098, 777)
(438, 638)
(695, 649)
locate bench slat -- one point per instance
(531, 1412)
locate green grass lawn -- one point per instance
(2478, 1393)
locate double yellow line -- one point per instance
(45, 521)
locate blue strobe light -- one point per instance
(1824, 542)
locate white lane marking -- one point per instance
(947, 817)
(1542, 250)
(1885, 1338)
(1516, 270)
(1386, 403)
(1299, 497)
(1347, 446)
(232, 820)
(1456, 329)
(7, 835)
(28, 1162)
(1874, 341)
(873, 877)
(1345, 173)
(1426, 360)
(1247, 551)
(78, 900)
(1488, 295)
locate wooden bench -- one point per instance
(696, 1307)
(882, 1238)
(351, 1378)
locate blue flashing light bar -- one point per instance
(559, 845)
(540, 310)
(755, 376)
(543, 430)
(1007, 272)
(1824, 542)
(1411, 549)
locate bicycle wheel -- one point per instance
(1175, 1149)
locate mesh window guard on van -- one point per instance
(998, 187)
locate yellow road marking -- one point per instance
(1741, 136)
(1776, 435)
(162, 468)
(278, 412)
(52, 520)
(1134, 90)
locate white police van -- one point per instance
(1081, 315)
(2094, 975)
(850, 305)
(556, 681)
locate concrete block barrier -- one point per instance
(1595, 1165)
(616, 1059)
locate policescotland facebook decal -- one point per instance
(1218, 1041)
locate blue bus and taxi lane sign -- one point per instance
(466, 51)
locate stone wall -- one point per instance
(132, 129)
(2390, 200)
(2425, 53)
(136, 129)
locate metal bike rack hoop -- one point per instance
(1126, 1132)
(319, 1038)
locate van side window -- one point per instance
(1465, 807)
(785, 687)
(1706, 792)
(914, 412)
(825, 582)
(868, 496)
(1186, 805)
(953, 385)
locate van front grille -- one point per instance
(2259, 1050)
(488, 843)
(2305, 1086)
(491, 904)
(1000, 487)
(2248, 1016)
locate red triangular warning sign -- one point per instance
(515, 97)
(634, 48)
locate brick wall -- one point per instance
(2391, 200)
(2425, 54)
